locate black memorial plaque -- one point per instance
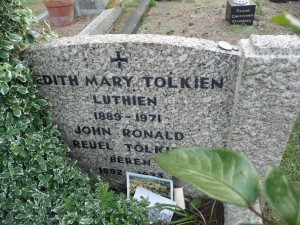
(240, 14)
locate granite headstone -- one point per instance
(120, 99)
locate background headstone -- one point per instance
(89, 7)
(240, 13)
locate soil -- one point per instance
(75, 28)
(206, 19)
(211, 212)
(199, 19)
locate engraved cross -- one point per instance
(119, 59)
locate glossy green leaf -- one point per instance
(3, 88)
(283, 196)
(17, 111)
(4, 54)
(42, 102)
(287, 20)
(30, 38)
(15, 149)
(8, 47)
(23, 153)
(18, 171)
(15, 37)
(221, 174)
(23, 90)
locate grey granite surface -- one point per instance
(196, 93)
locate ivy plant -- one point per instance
(39, 184)
(230, 177)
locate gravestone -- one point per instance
(118, 99)
(242, 13)
(89, 7)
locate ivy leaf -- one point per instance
(283, 196)
(14, 17)
(18, 171)
(1, 120)
(23, 153)
(42, 102)
(17, 111)
(30, 38)
(41, 162)
(23, 90)
(15, 149)
(8, 47)
(4, 88)
(5, 175)
(4, 54)
(221, 174)
(15, 37)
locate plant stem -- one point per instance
(212, 212)
(264, 219)
(252, 209)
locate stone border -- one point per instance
(102, 23)
(135, 20)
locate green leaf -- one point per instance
(41, 162)
(23, 90)
(15, 149)
(8, 47)
(4, 54)
(4, 88)
(287, 20)
(42, 102)
(18, 171)
(15, 37)
(17, 111)
(221, 174)
(5, 175)
(30, 38)
(40, 159)
(195, 204)
(23, 153)
(283, 196)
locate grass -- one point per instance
(167, 27)
(291, 159)
(290, 164)
(144, 27)
(36, 6)
(242, 29)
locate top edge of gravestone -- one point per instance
(132, 38)
(279, 45)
